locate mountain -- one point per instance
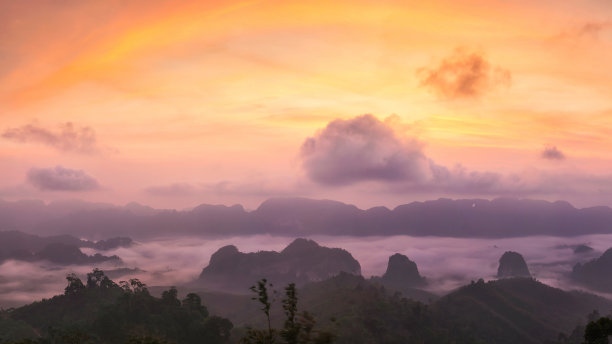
(100, 311)
(596, 273)
(512, 264)
(15, 240)
(497, 218)
(402, 275)
(300, 262)
(515, 310)
(356, 310)
(402, 271)
(60, 249)
(58, 253)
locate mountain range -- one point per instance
(305, 217)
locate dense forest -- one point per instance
(343, 309)
(101, 311)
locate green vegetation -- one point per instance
(598, 331)
(101, 311)
(298, 327)
(347, 309)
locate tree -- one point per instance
(597, 332)
(97, 279)
(75, 286)
(170, 297)
(255, 336)
(298, 327)
(292, 328)
(193, 303)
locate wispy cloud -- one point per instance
(66, 137)
(61, 179)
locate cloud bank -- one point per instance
(173, 190)
(61, 179)
(463, 74)
(446, 262)
(365, 149)
(67, 137)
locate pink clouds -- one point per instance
(68, 137)
(61, 179)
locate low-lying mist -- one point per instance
(447, 263)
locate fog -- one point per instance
(447, 263)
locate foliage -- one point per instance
(298, 327)
(598, 331)
(101, 311)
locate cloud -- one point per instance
(552, 153)
(586, 30)
(67, 137)
(360, 149)
(593, 29)
(365, 149)
(258, 187)
(446, 262)
(463, 74)
(173, 190)
(61, 179)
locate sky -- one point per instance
(173, 104)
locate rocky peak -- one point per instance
(512, 264)
(223, 253)
(402, 270)
(299, 246)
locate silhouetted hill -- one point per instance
(402, 275)
(516, 310)
(300, 262)
(298, 216)
(15, 240)
(63, 254)
(355, 310)
(512, 264)
(61, 249)
(581, 249)
(509, 311)
(595, 274)
(402, 271)
(100, 311)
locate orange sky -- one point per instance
(211, 101)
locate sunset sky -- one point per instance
(177, 103)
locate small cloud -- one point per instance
(61, 179)
(464, 74)
(173, 190)
(67, 137)
(552, 153)
(252, 187)
(591, 30)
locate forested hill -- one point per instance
(346, 308)
(101, 311)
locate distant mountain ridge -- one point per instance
(60, 249)
(304, 217)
